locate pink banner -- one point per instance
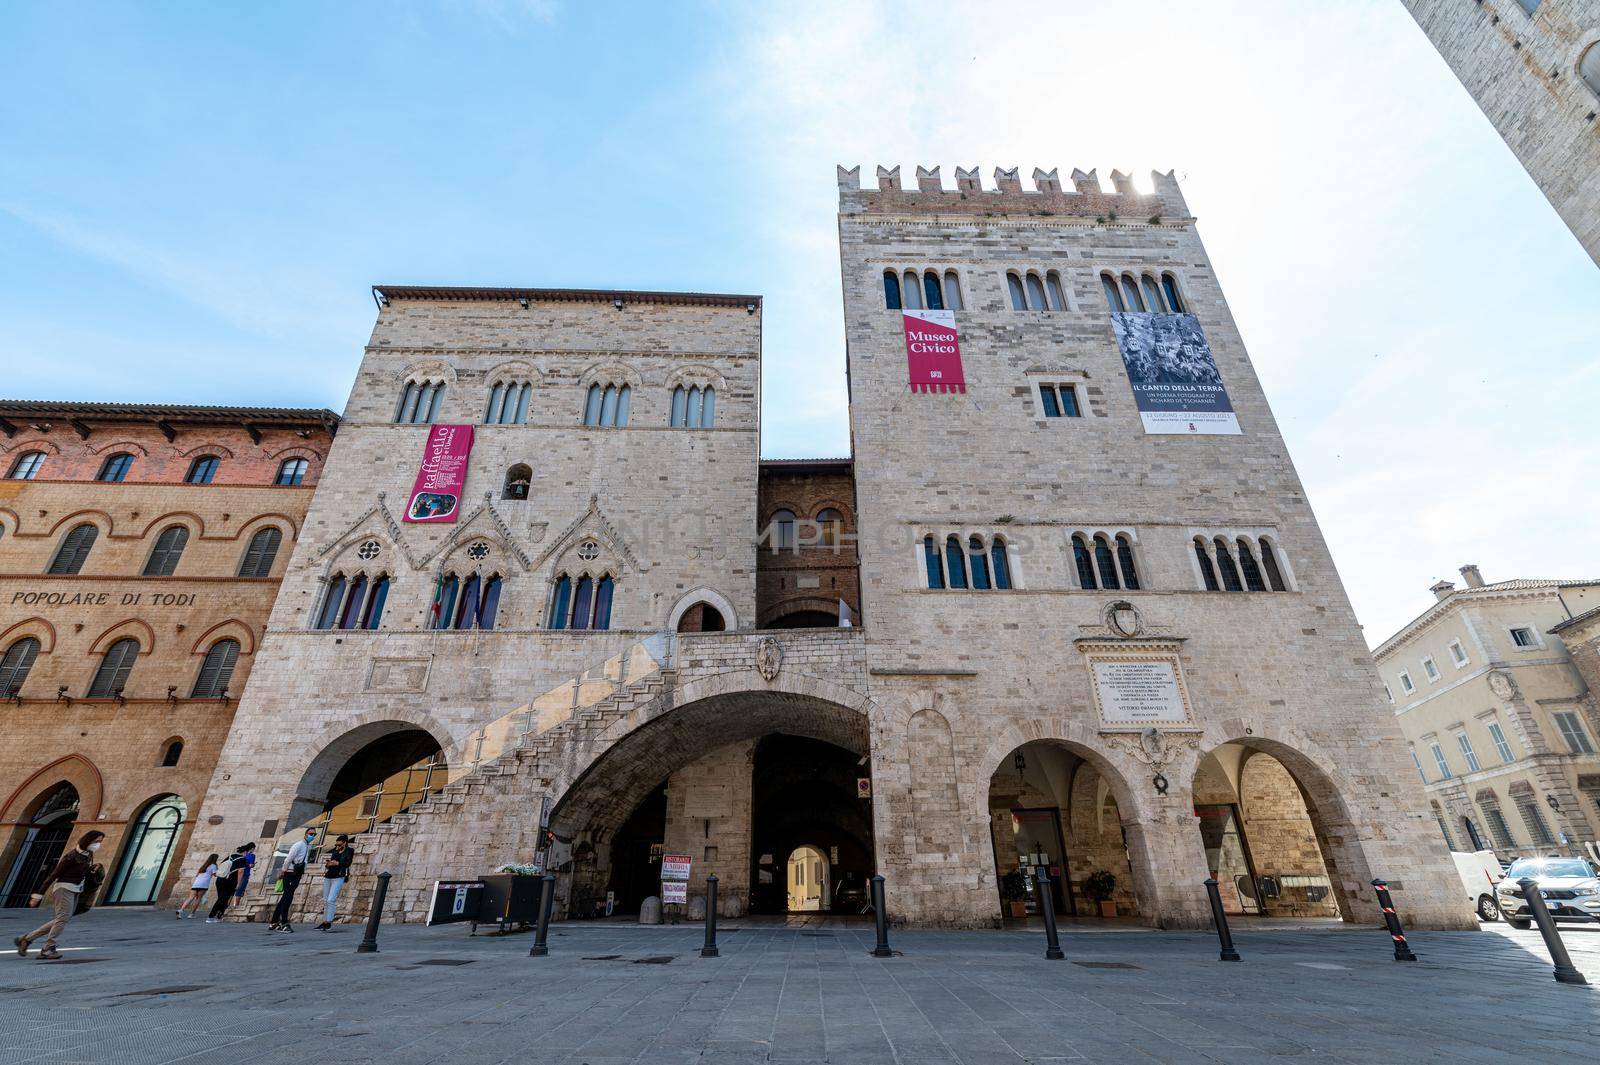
(933, 352)
(437, 494)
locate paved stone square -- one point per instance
(139, 987)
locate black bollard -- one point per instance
(1220, 919)
(547, 899)
(881, 950)
(1402, 949)
(1566, 973)
(1047, 906)
(369, 940)
(710, 949)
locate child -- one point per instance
(197, 890)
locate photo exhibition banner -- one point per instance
(436, 496)
(1175, 380)
(933, 352)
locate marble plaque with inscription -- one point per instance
(1139, 692)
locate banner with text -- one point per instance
(933, 352)
(1175, 380)
(436, 496)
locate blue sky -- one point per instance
(194, 201)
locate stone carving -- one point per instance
(1502, 684)
(398, 675)
(1124, 619)
(769, 658)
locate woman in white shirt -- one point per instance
(197, 890)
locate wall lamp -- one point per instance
(14, 696)
(116, 693)
(524, 302)
(617, 303)
(172, 694)
(1553, 804)
(62, 696)
(750, 308)
(224, 696)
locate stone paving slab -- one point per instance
(139, 988)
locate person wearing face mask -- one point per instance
(335, 871)
(294, 867)
(73, 874)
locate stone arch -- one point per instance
(207, 448)
(340, 742)
(74, 769)
(428, 370)
(37, 627)
(132, 446)
(709, 596)
(935, 799)
(298, 451)
(187, 518)
(7, 451)
(233, 628)
(697, 374)
(286, 525)
(98, 518)
(343, 558)
(609, 372)
(138, 628)
(801, 605)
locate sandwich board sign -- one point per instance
(455, 901)
(675, 878)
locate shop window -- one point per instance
(15, 664)
(26, 468)
(216, 672)
(203, 469)
(292, 472)
(115, 666)
(116, 467)
(261, 553)
(74, 550)
(163, 561)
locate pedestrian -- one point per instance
(198, 889)
(335, 870)
(71, 876)
(248, 854)
(294, 867)
(227, 880)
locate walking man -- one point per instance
(336, 869)
(71, 876)
(247, 855)
(294, 867)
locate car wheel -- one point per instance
(1488, 910)
(1519, 925)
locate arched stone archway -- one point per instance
(358, 760)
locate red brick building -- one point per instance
(807, 564)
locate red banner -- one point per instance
(437, 494)
(933, 352)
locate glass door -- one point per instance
(149, 850)
(1228, 859)
(1037, 838)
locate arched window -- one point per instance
(558, 603)
(1152, 293)
(117, 663)
(955, 562)
(419, 402)
(913, 291)
(354, 600)
(1085, 564)
(518, 478)
(607, 406)
(444, 602)
(1130, 576)
(1113, 297)
(489, 602)
(1052, 289)
(1589, 68)
(292, 472)
(1019, 301)
(15, 663)
(168, 550)
(591, 405)
(1247, 563)
(1104, 563)
(261, 553)
(1230, 573)
(582, 602)
(467, 609)
(1130, 294)
(332, 600)
(203, 469)
(932, 294)
(783, 530)
(170, 756)
(152, 843)
(1269, 561)
(694, 407)
(74, 549)
(891, 290)
(26, 468)
(680, 408)
(930, 557)
(508, 403)
(830, 525)
(1169, 286)
(216, 671)
(1207, 571)
(980, 563)
(116, 467)
(1001, 563)
(374, 611)
(1035, 293)
(952, 291)
(602, 603)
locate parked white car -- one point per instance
(1570, 886)
(1479, 871)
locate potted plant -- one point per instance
(1014, 891)
(1100, 886)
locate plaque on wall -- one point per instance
(398, 675)
(707, 800)
(1138, 689)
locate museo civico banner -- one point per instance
(933, 352)
(1174, 377)
(436, 496)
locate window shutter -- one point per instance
(217, 670)
(74, 550)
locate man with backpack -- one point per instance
(227, 878)
(294, 867)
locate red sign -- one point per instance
(437, 494)
(675, 866)
(933, 351)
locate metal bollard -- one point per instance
(1220, 919)
(547, 899)
(369, 939)
(1402, 949)
(881, 950)
(710, 949)
(1566, 973)
(1047, 906)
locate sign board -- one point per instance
(1138, 691)
(863, 787)
(436, 494)
(1176, 384)
(455, 901)
(674, 891)
(675, 866)
(933, 351)
(707, 800)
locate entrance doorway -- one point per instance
(806, 802)
(809, 888)
(42, 841)
(148, 854)
(1228, 858)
